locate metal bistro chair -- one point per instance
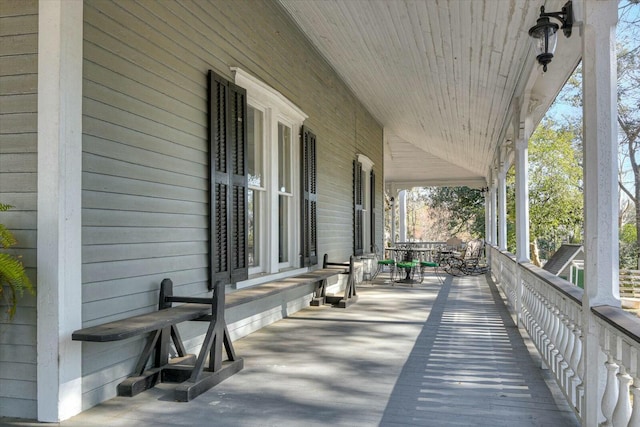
(382, 263)
(434, 263)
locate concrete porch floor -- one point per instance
(430, 355)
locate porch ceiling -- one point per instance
(439, 75)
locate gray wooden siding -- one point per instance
(18, 181)
(144, 150)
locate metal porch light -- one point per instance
(545, 32)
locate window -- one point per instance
(274, 177)
(284, 192)
(364, 205)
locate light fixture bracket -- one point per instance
(565, 16)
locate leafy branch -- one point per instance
(13, 278)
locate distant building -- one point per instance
(561, 262)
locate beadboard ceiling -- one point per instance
(439, 75)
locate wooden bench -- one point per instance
(195, 375)
(349, 295)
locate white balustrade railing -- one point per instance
(503, 267)
(551, 313)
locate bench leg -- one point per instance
(200, 380)
(320, 294)
(186, 368)
(350, 295)
(157, 346)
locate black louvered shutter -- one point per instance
(228, 182)
(309, 198)
(239, 183)
(357, 208)
(372, 200)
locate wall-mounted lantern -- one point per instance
(545, 32)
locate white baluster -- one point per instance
(531, 307)
(553, 347)
(574, 363)
(634, 421)
(622, 411)
(562, 344)
(543, 329)
(580, 376)
(537, 328)
(567, 369)
(546, 337)
(610, 396)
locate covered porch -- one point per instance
(118, 195)
(432, 355)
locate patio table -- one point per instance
(408, 255)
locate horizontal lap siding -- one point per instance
(18, 186)
(368, 131)
(144, 149)
(144, 181)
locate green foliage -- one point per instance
(555, 184)
(466, 206)
(555, 189)
(628, 233)
(13, 278)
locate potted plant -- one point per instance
(13, 278)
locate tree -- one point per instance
(628, 118)
(555, 189)
(629, 106)
(555, 180)
(465, 207)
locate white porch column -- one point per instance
(494, 224)
(393, 220)
(487, 217)
(402, 196)
(502, 210)
(59, 300)
(600, 182)
(522, 200)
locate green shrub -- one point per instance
(13, 279)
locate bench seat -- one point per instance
(141, 324)
(149, 322)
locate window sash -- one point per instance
(282, 120)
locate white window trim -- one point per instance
(367, 167)
(276, 109)
(259, 91)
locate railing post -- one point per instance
(600, 167)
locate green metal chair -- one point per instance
(383, 263)
(430, 264)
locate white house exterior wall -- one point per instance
(144, 158)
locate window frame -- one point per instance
(276, 109)
(262, 192)
(368, 208)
